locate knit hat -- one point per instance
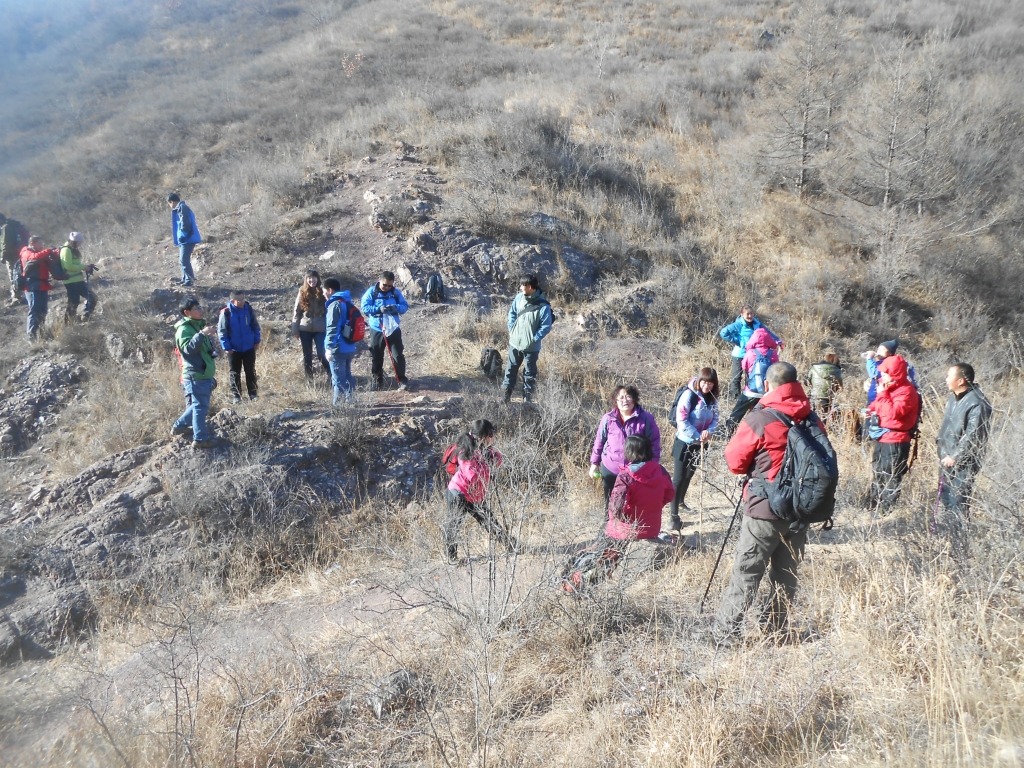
(891, 346)
(76, 237)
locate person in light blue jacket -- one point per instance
(339, 352)
(738, 333)
(185, 234)
(696, 419)
(383, 299)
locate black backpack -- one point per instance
(675, 404)
(804, 490)
(490, 363)
(435, 289)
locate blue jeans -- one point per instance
(185, 261)
(310, 339)
(38, 304)
(341, 374)
(516, 358)
(77, 292)
(197, 402)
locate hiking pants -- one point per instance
(188, 277)
(77, 292)
(310, 339)
(608, 479)
(953, 516)
(517, 358)
(457, 509)
(236, 362)
(763, 545)
(197, 404)
(736, 379)
(741, 409)
(13, 270)
(889, 464)
(38, 304)
(341, 376)
(686, 459)
(379, 344)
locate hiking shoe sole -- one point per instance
(175, 431)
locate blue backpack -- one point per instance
(756, 381)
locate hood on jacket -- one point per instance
(339, 296)
(762, 339)
(896, 367)
(647, 473)
(790, 399)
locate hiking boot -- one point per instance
(175, 431)
(210, 442)
(675, 526)
(403, 386)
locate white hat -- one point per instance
(75, 237)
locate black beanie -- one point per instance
(892, 346)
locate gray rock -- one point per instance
(10, 640)
(393, 692)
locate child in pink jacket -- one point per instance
(762, 352)
(467, 489)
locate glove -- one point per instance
(391, 309)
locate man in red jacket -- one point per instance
(898, 408)
(35, 269)
(758, 447)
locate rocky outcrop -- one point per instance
(36, 391)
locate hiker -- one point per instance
(13, 237)
(529, 321)
(892, 420)
(696, 419)
(758, 447)
(77, 281)
(824, 379)
(762, 352)
(35, 271)
(641, 490)
(185, 235)
(961, 442)
(382, 305)
(872, 359)
(607, 457)
(738, 333)
(467, 489)
(309, 322)
(338, 349)
(239, 332)
(194, 343)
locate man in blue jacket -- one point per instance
(382, 305)
(529, 321)
(185, 234)
(738, 333)
(338, 350)
(239, 333)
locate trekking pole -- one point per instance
(700, 496)
(721, 551)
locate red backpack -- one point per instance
(355, 327)
(451, 459)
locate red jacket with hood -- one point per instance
(634, 508)
(28, 255)
(898, 405)
(760, 442)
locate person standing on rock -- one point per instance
(607, 457)
(529, 320)
(383, 305)
(337, 347)
(239, 332)
(194, 344)
(185, 234)
(13, 237)
(309, 322)
(76, 283)
(35, 271)
(738, 333)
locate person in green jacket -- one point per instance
(77, 282)
(824, 380)
(192, 339)
(529, 320)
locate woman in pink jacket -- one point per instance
(762, 352)
(467, 489)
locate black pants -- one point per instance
(741, 409)
(889, 464)
(378, 350)
(686, 457)
(608, 478)
(238, 361)
(457, 509)
(736, 378)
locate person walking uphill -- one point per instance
(529, 320)
(383, 305)
(897, 409)
(766, 542)
(467, 490)
(13, 237)
(738, 333)
(35, 271)
(76, 282)
(185, 235)
(240, 335)
(309, 322)
(961, 442)
(340, 344)
(192, 338)
(825, 379)
(696, 419)
(762, 352)
(607, 457)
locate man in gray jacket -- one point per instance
(529, 320)
(962, 439)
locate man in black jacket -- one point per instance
(962, 438)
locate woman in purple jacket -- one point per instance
(625, 418)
